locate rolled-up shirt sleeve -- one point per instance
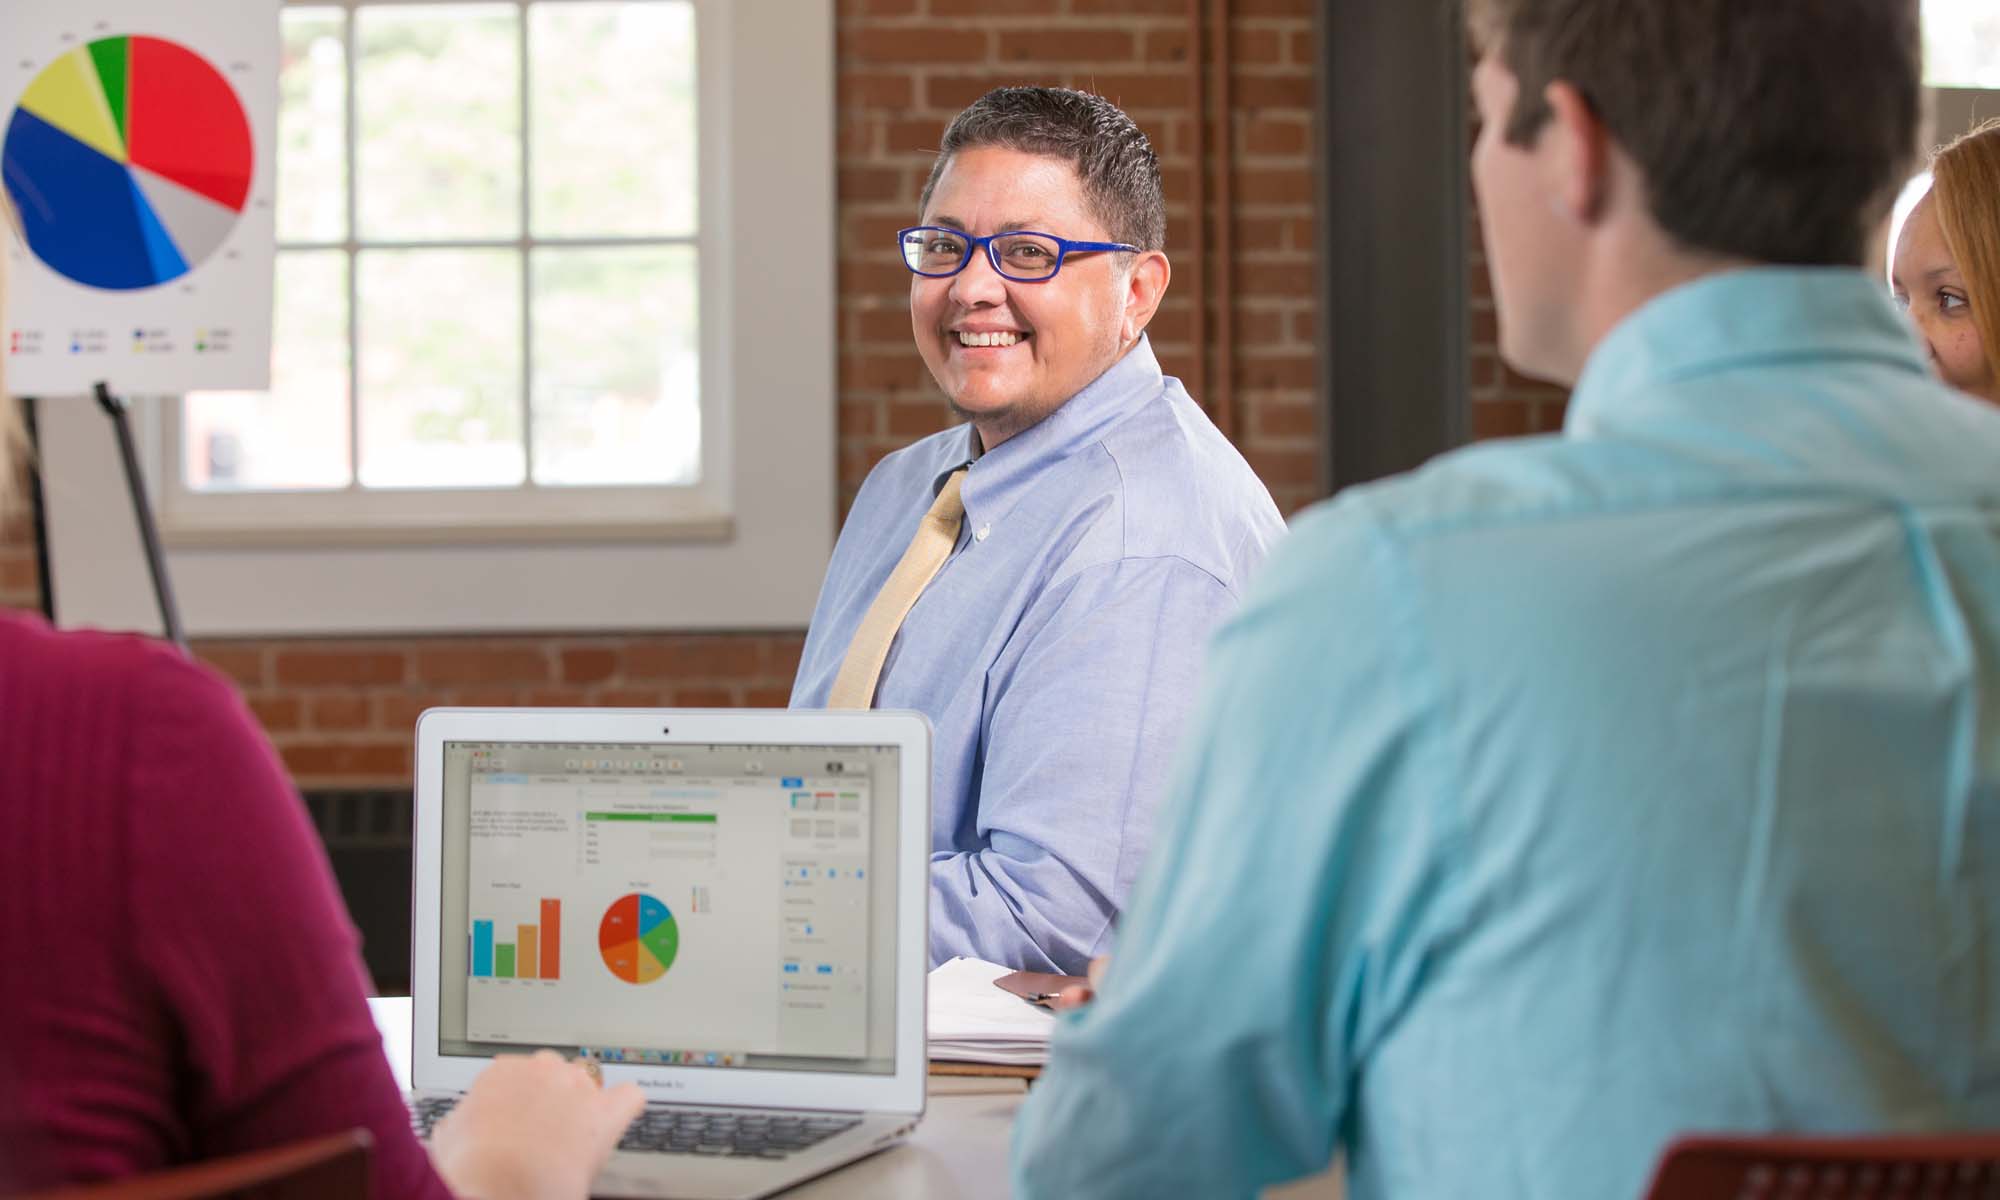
(1082, 719)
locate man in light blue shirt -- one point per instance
(1575, 793)
(1107, 528)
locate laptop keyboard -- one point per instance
(670, 1129)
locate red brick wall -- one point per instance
(341, 710)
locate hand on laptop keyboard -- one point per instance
(534, 1126)
(675, 1129)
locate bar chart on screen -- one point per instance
(534, 953)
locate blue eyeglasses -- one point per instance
(935, 252)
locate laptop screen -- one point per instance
(724, 906)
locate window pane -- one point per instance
(1962, 43)
(440, 355)
(295, 435)
(617, 397)
(613, 93)
(439, 96)
(312, 127)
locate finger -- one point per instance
(580, 1074)
(616, 1109)
(1097, 968)
(1075, 996)
(627, 1099)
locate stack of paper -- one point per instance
(973, 1021)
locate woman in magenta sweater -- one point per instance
(178, 978)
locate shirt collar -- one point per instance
(1759, 314)
(999, 476)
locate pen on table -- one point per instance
(1044, 1000)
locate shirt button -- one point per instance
(979, 535)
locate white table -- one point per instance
(959, 1151)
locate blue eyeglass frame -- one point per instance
(1064, 248)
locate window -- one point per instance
(525, 324)
(487, 282)
(1962, 44)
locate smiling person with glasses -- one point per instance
(1041, 579)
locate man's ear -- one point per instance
(1144, 290)
(1579, 180)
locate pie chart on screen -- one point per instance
(638, 938)
(130, 162)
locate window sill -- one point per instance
(447, 516)
(438, 533)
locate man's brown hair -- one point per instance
(1966, 188)
(1773, 130)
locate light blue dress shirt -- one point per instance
(1571, 794)
(1056, 652)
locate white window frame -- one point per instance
(744, 549)
(356, 513)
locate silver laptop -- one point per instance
(728, 908)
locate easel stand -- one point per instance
(142, 515)
(120, 414)
(37, 511)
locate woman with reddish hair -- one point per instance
(1947, 268)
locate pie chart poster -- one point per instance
(138, 146)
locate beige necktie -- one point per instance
(937, 533)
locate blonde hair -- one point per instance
(1966, 188)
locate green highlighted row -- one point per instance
(690, 818)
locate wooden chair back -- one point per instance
(337, 1167)
(1962, 1167)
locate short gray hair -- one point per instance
(1112, 158)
